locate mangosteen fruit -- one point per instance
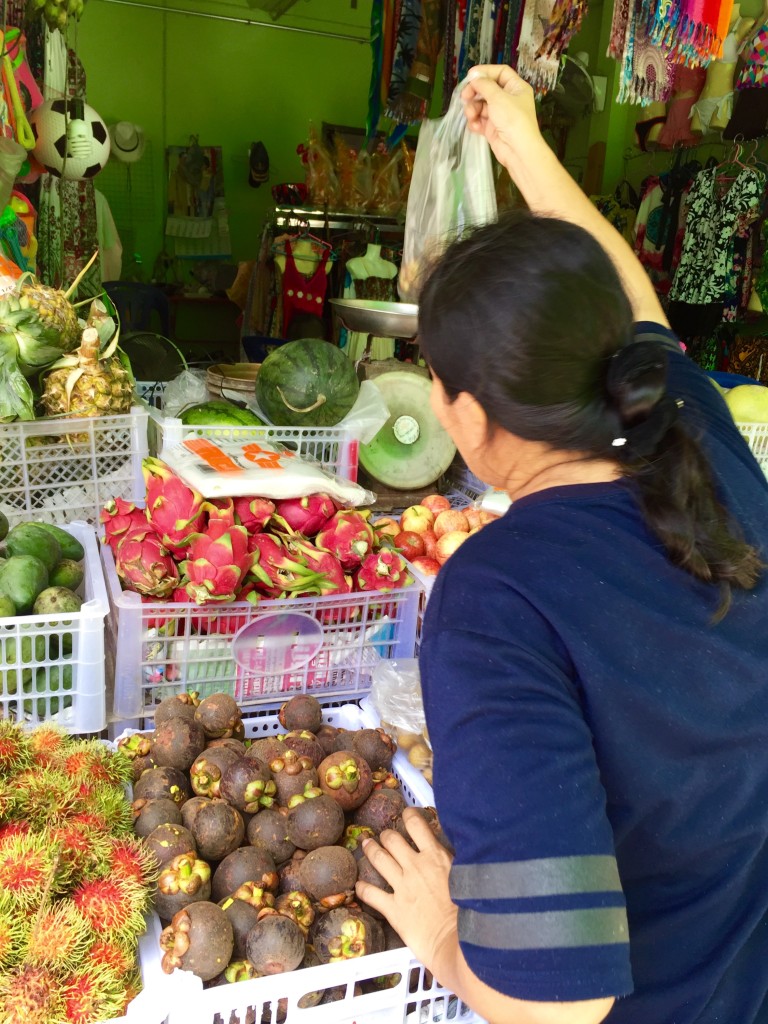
(247, 864)
(242, 916)
(182, 881)
(160, 782)
(345, 933)
(316, 822)
(292, 774)
(220, 716)
(247, 784)
(384, 779)
(199, 939)
(190, 809)
(353, 838)
(391, 939)
(177, 742)
(266, 749)
(298, 906)
(366, 872)
(343, 739)
(255, 896)
(305, 744)
(301, 712)
(169, 841)
(326, 737)
(275, 944)
(311, 959)
(230, 743)
(289, 872)
(208, 769)
(267, 830)
(218, 830)
(346, 777)
(148, 814)
(328, 871)
(429, 814)
(376, 746)
(381, 810)
(181, 705)
(137, 745)
(236, 970)
(141, 765)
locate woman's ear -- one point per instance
(464, 418)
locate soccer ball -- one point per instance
(71, 140)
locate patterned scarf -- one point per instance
(412, 104)
(469, 54)
(646, 71)
(449, 72)
(407, 37)
(689, 31)
(540, 72)
(564, 23)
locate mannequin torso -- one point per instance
(371, 264)
(713, 108)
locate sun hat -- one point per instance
(127, 141)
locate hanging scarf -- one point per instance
(540, 72)
(645, 74)
(377, 68)
(688, 30)
(408, 26)
(414, 101)
(512, 35)
(564, 23)
(469, 54)
(449, 60)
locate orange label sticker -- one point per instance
(261, 457)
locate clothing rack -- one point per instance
(329, 220)
(241, 21)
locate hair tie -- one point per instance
(643, 439)
(635, 382)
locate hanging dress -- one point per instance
(303, 297)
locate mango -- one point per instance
(22, 578)
(31, 539)
(70, 546)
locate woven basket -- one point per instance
(228, 380)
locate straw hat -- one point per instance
(127, 141)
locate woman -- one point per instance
(594, 663)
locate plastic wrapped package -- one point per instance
(396, 698)
(322, 183)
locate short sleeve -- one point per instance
(541, 909)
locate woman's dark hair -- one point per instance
(529, 316)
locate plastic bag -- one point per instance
(396, 697)
(452, 190)
(187, 389)
(368, 415)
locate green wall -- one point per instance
(230, 84)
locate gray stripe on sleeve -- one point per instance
(545, 876)
(552, 929)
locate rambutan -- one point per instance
(11, 829)
(109, 809)
(85, 852)
(93, 762)
(29, 867)
(46, 744)
(58, 938)
(130, 858)
(45, 796)
(114, 907)
(12, 932)
(30, 995)
(92, 993)
(115, 955)
(14, 748)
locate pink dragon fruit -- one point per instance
(323, 562)
(230, 622)
(119, 517)
(349, 536)
(306, 515)
(190, 622)
(254, 513)
(167, 624)
(221, 511)
(383, 570)
(216, 564)
(285, 574)
(175, 510)
(144, 565)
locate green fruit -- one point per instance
(70, 546)
(220, 413)
(56, 601)
(54, 680)
(68, 573)
(307, 383)
(31, 539)
(33, 649)
(7, 607)
(22, 578)
(3, 526)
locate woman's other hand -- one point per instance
(500, 105)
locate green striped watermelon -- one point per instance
(306, 383)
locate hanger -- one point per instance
(305, 233)
(734, 160)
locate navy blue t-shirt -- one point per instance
(601, 749)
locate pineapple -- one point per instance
(54, 310)
(88, 382)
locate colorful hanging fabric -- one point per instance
(688, 31)
(512, 36)
(413, 102)
(391, 15)
(449, 58)
(754, 71)
(408, 25)
(645, 74)
(564, 23)
(540, 72)
(377, 68)
(469, 54)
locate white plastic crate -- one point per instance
(162, 648)
(49, 661)
(333, 447)
(756, 435)
(415, 999)
(63, 470)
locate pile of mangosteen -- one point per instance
(259, 843)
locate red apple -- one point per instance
(426, 566)
(448, 543)
(473, 517)
(430, 543)
(436, 503)
(417, 518)
(450, 521)
(410, 544)
(387, 527)
(487, 517)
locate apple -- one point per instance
(410, 544)
(487, 517)
(473, 517)
(448, 543)
(387, 527)
(430, 543)
(436, 503)
(748, 403)
(426, 566)
(417, 518)
(451, 521)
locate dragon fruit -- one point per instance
(306, 515)
(383, 570)
(190, 621)
(230, 622)
(217, 564)
(285, 574)
(144, 565)
(175, 510)
(119, 517)
(221, 511)
(335, 582)
(254, 513)
(349, 536)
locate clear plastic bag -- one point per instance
(452, 190)
(368, 415)
(189, 388)
(396, 697)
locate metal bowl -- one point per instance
(383, 319)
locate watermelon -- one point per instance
(215, 413)
(306, 383)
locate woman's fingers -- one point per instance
(375, 897)
(386, 861)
